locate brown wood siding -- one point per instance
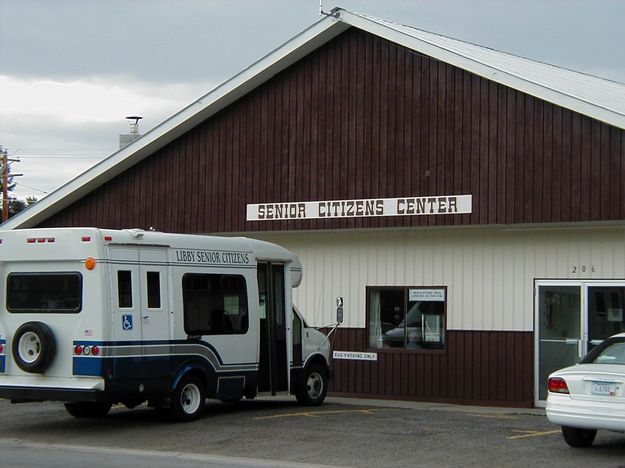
(479, 367)
(363, 118)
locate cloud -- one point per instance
(72, 70)
(59, 129)
(91, 99)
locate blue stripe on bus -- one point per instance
(125, 367)
(152, 342)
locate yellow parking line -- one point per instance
(314, 414)
(526, 434)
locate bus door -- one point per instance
(273, 369)
(140, 310)
(155, 333)
(126, 311)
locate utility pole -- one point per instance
(5, 182)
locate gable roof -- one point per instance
(597, 98)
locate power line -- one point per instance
(33, 188)
(75, 156)
(60, 148)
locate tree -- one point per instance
(16, 205)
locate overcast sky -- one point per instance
(71, 70)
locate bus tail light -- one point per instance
(86, 350)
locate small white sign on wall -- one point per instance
(356, 356)
(615, 315)
(426, 295)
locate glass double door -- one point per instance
(572, 318)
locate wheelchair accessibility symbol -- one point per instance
(127, 322)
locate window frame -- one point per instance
(404, 350)
(44, 311)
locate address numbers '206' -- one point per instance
(583, 269)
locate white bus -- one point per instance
(94, 317)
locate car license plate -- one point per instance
(603, 388)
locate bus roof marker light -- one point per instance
(90, 263)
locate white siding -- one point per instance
(489, 272)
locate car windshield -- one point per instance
(611, 351)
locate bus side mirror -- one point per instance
(339, 314)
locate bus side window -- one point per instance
(124, 289)
(214, 304)
(154, 289)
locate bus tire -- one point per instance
(187, 401)
(83, 409)
(34, 347)
(314, 386)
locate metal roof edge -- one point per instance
(224, 94)
(482, 69)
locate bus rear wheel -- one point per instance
(187, 401)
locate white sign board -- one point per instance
(361, 208)
(615, 315)
(437, 295)
(356, 356)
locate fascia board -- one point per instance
(487, 71)
(279, 59)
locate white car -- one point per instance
(590, 395)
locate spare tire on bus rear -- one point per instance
(34, 347)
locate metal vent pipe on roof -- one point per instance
(126, 139)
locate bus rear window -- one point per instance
(44, 292)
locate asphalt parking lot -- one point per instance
(339, 433)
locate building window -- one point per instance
(214, 304)
(410, 318)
